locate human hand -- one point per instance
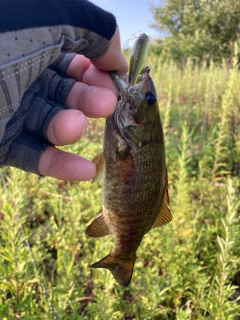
(45, 93)
(93, 95)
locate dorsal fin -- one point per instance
(99, 162)
(164, 215)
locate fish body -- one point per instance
(133, 167)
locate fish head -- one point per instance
(145, 105)
(137, 117)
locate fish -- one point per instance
(133, 168)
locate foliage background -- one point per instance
(200, 30)
(189, 269)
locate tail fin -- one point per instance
(121, 269)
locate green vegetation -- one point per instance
(189, 269)
(200, 30)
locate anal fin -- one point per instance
(97, 227)
(163, 217)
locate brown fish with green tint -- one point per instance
(133, 167)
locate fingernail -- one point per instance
(83, 126)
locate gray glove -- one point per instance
(33, 61)
(44, 98)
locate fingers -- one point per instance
(78, 67)
(93, 101)
(93, 71)
(65, 166)
(93, 95)
(67, 127)
(81, 69)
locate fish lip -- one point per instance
(120, 81)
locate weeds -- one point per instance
(186, 270)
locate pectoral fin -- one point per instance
(97, 227)
(164, 215)
(99, 162)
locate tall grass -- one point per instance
(189, 269)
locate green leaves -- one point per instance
(185, 270)
(200, 30)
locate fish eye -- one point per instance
(150, 98)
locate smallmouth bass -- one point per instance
(133, 167)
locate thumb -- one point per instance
(112, 59)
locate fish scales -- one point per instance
(139, 196)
